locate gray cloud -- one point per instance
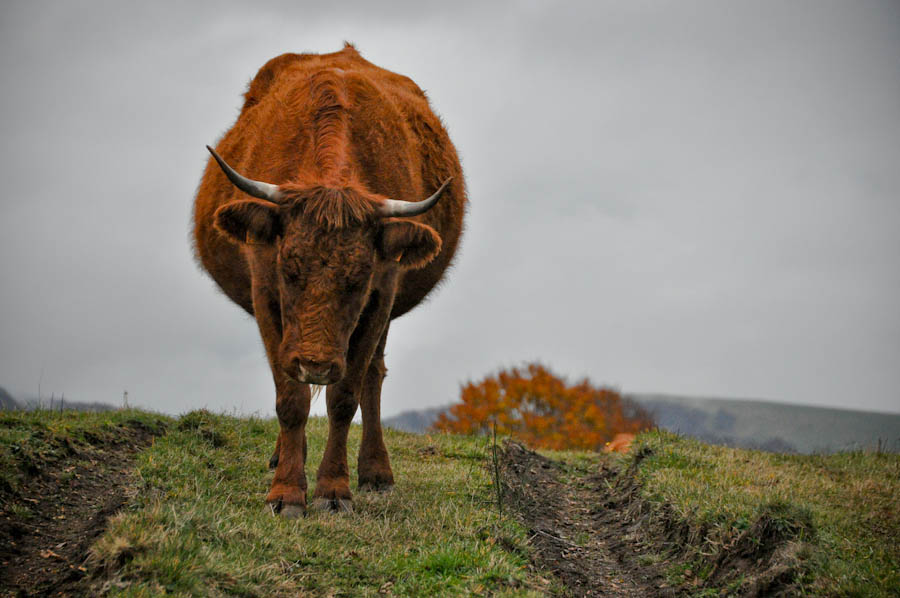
(693, 198)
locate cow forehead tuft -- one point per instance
(332, 208)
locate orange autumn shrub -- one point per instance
(542, 410)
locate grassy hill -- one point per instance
(196, 523)
(678, 518)
(828, 524)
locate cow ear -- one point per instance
(409, 243)
(250, 221)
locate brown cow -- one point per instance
(326, 240)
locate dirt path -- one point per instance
(47, 528)
(573, 534)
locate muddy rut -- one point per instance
(47, 527)
(571, 534)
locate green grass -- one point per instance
(844, 508)
(198, 525)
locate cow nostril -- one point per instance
(326, 370)
(315, 367)
(292, 367)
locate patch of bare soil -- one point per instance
(559, 507)
(593, 530)
(47, 527)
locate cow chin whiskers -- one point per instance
(315, 390)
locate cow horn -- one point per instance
(249, 186)
(398, 207)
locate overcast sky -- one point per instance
(684, 197)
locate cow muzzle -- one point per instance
(314, 370)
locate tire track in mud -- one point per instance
(559, 509)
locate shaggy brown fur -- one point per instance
(320, 271)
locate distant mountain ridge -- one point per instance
(417, 421)
(764, 425)
(7, 401)
(10, 403)
(756, 424)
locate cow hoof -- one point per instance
(333, 505)
(289, 511)
(292, 512)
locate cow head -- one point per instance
(330, 245)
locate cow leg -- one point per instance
(273, 460)
(333, 479)
(287, 494)
(374, 465)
